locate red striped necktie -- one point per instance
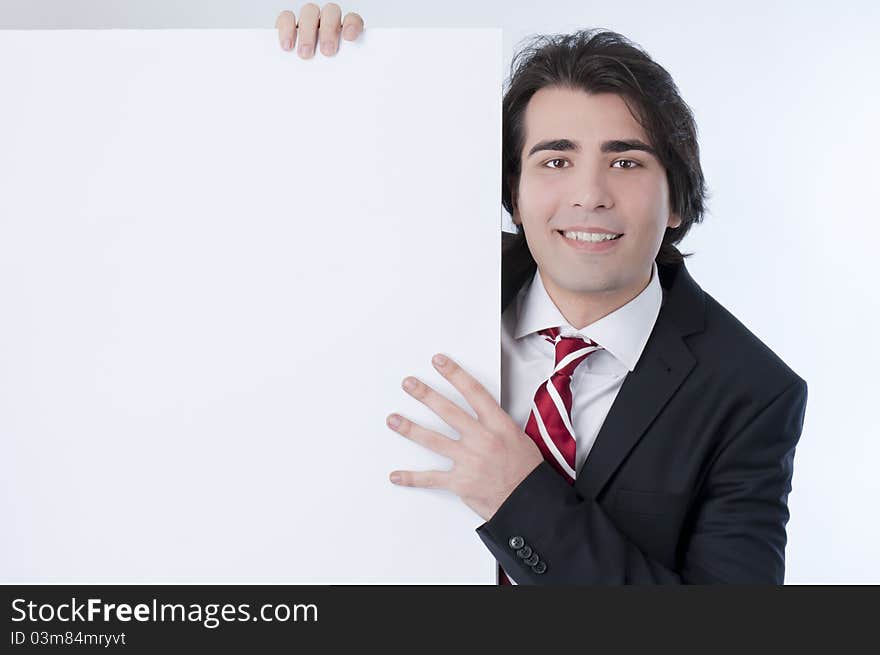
(549, 423)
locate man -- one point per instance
(644, 434)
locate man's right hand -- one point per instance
(317, 25)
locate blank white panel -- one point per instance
(217, 264)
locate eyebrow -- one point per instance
(615, 145)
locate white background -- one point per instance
(786, 100)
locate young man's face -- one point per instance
(623, 190)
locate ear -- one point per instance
(517, 219)
(674, 220)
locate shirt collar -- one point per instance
(623, 333)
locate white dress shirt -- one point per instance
(528, 359)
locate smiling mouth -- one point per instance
(562, 234)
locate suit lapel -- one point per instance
(663, 366)
(665, 363)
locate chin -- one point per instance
(587, 283)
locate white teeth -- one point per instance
(594, 237)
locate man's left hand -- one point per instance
(491, 457)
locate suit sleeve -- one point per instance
(736, 527)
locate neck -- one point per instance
(583, 308)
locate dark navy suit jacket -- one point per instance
(688, 479)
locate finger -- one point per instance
(488, 410)
(309, 16)
(423, 479)
(328, 30)
(286, 25)
(455, 416)
(352, 26)
(439, 443)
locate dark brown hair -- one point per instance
(598, 61)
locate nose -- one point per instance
(590, 189)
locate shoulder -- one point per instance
(517, 266)
(739, 357)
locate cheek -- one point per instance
(646, 204)
(537, 199)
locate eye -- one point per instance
(635, 164)
(553, 160)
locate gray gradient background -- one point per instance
(786, 101)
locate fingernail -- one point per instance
(395, 477)
(305, 50)
(286, 44)
(327, 48)
(349, 32)
(439, 360)
(394, 421)
(409, 383)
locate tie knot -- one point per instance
(570, 351)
